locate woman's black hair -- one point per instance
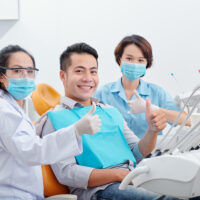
(5, 55)
(140, 42)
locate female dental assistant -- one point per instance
(21, 150)
(134, 55)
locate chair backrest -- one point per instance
(44, 98)
(51, 185)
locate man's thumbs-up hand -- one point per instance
(89, 124)
(155, 119)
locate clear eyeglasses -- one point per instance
(21, 72)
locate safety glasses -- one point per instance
(20, 72)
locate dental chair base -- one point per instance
(62, 197)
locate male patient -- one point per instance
(109, 155)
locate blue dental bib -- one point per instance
(106, 148)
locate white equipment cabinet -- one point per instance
(9, 9)
(175, 175)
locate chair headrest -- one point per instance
(45, 97)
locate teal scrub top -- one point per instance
(113, 94)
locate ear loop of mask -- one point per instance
(2, 82)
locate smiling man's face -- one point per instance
(81, 78)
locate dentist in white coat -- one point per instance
(21, 150)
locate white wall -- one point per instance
(47, 27)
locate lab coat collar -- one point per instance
(6, 96)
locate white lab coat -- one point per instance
(22, 151)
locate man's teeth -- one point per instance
(85, 87)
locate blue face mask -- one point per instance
(133, 71)
(20, 88)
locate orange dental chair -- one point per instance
(44, 98)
